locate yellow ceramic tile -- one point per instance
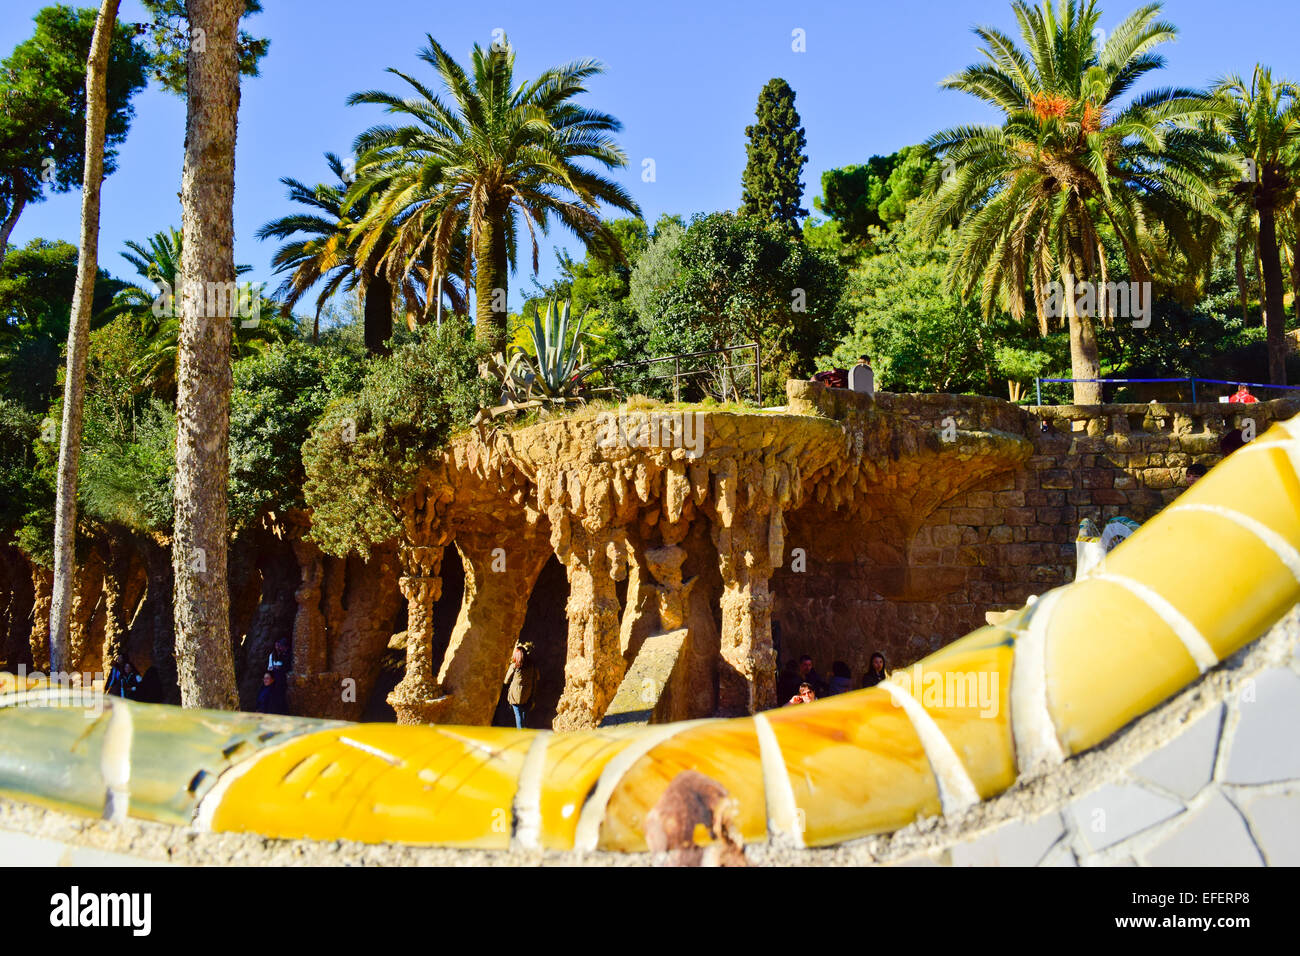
(1261, 484)
(1221, 577)
(1109, 659)
(379, 783)
(574, 762)
(856, 766)
(725, 751)
(966, 689)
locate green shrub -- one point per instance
(278, 395)
(365, 453)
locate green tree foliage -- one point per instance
(862, 199)
(277, 397)
(920, 337)
(365, 453)
(772, 190)
(726, 281)
(19, 429)
(36, 284)
(153, 306)
(168, 40)
(43, 119)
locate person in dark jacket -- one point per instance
(280, 659)
(272, 699)
(841, 679)
(520, 684)
(809, 673)
(877, 673)
(123, 680)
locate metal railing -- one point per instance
(726, 369)
(1038, 383)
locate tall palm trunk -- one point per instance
(1274, 316)
(489, 277)
(74, 384)
(378, 314)
(1242, 292)
(1085, 362)
(205, 664)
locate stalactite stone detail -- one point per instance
(413, 698)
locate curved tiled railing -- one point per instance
(1207, 576)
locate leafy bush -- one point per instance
(919, 337)
(18, 431)
(277, 396)
(729, 281)
(366, 451)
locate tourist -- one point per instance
(1195, 472)
(841, 679)
(123, 680)
(787, 684)
(833, 378)
(271, 699)
(1242, 396)
(809, 674)
(877, 673)
(806, 695)
(520, 684)
(280, 660)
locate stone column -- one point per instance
(665, 566)
(750, 542)
(313, 691)
(498, 583)
(594, 663)
(309, 653)
(116, 625)
(415, 697)
(43, 589)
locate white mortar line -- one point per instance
(528, 795)
(373, 751)
(587, 835)
(1034, 733)
(1289, 445)
(956, 789)
(1279, 545)
(783, 821)
(1197, 646)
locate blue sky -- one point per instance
(682, 76)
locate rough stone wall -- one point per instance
(994, 544)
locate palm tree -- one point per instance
(492, 156)
(1034, 197)
(321, 248)
(1262, 123)
(65, 515)
(158, 265)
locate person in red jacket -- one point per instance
(1242, 396)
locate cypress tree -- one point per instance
(772, 190)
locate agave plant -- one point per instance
(552, 372)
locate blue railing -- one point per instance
(1038, 383)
